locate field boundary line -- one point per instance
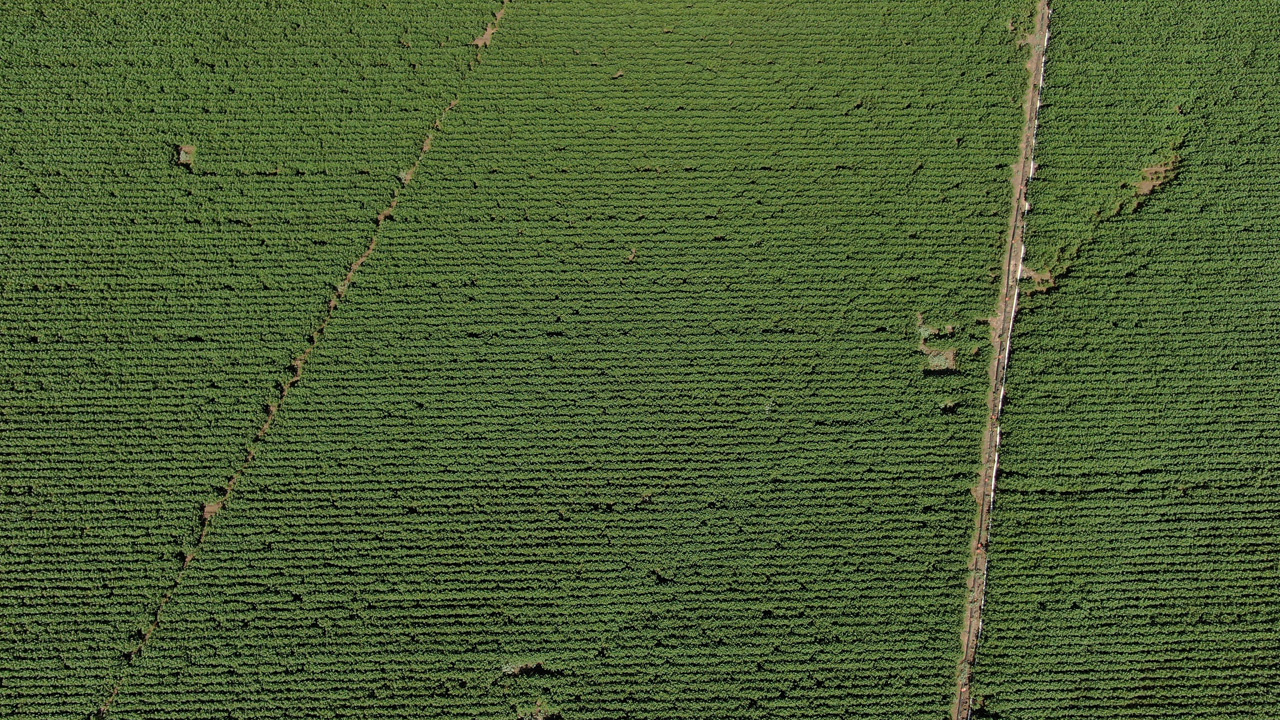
(1001, 339)
(210, 510)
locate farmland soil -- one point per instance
(1001, 333)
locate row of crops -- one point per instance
(1134, 567)
(632, 393)
(147, 309)
(663, 392)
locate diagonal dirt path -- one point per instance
(211, 510)
(1001, 331)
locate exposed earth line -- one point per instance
(211, 510)
(1001, 333)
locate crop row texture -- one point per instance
(1134, 567)
(632, 388)
(147, 309)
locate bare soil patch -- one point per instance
(1156, 176)
(186, 156)
(1043, 279)
(939, 359)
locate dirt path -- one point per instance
(1001, 330)
(210, 510)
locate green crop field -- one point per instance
(147, 311)
(1135, 557)
(565, 359)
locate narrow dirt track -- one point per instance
(209, 511)
(1001, 331)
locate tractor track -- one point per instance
(210, 510)
(1001, 335)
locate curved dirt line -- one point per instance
(210, 510)
(1001, 331)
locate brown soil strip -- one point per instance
(1001, 329)
(209, 511)
(1157, 175)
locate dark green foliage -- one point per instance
(632, 387)
(146, 310)
(1133, 556)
